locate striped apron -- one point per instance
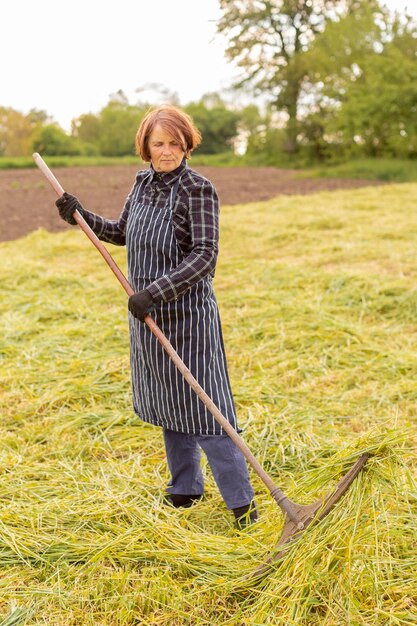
(161, 395)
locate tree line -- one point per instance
(325, 80)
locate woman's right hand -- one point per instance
(67, 204)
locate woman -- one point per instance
(170, 226)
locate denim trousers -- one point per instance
(226, 461)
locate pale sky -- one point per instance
(67, 56)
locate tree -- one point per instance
(86, 128)
(268, 39)
(365, 74)
(51, 140)
(250, 124)
(16, 132)
(218, 124)
(379, 111)
(119, 122)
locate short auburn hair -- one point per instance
(173, 121)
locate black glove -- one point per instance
(140, 304)
(67, 204)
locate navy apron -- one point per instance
(161, 395)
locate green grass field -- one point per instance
(318, 297)
(386, 169)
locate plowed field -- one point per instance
(27, 200)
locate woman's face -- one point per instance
(166, 152)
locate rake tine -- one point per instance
(309, 515)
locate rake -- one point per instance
(297, 517)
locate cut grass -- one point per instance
(319, 308)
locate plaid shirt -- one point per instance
(196, 222)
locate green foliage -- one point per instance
(268, 147)
(268, 40)
(378, 116)
(223, 159)
(392, 170)
(87, 129)
(17, 131)
(218, 124)
(343, 72)
(117, 129)
(335, 56)
(366, 72)
(51, 140)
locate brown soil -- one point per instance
(27, 202)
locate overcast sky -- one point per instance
(67, 56)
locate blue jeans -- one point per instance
(226, 461)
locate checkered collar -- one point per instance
(168, 178)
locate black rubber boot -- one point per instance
(178, 500)
(245, 515)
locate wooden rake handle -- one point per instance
(284, 503)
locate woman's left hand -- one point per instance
(140, 304)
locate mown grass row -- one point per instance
(319, 306)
